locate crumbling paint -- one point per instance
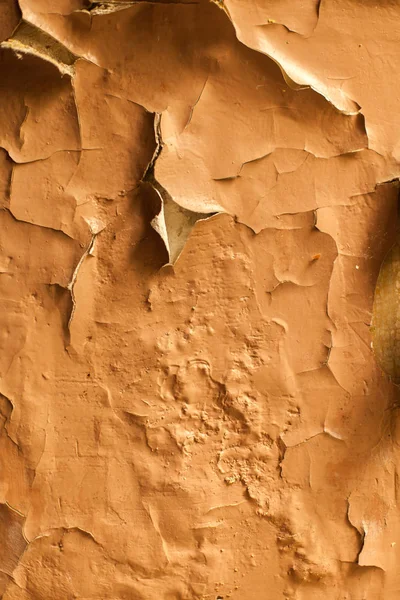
(221, 427)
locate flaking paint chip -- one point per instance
(229, 427)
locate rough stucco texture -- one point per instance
(196, 201)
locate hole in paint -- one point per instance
(385, 326)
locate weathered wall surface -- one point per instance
(196, 201)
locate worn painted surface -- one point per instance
(196, 201)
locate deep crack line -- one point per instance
(96, 227)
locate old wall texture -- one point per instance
(196, 201)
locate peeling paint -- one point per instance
(198, 271)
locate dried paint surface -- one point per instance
(196, 201)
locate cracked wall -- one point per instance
(196, 201)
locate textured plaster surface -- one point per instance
(196, 201)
